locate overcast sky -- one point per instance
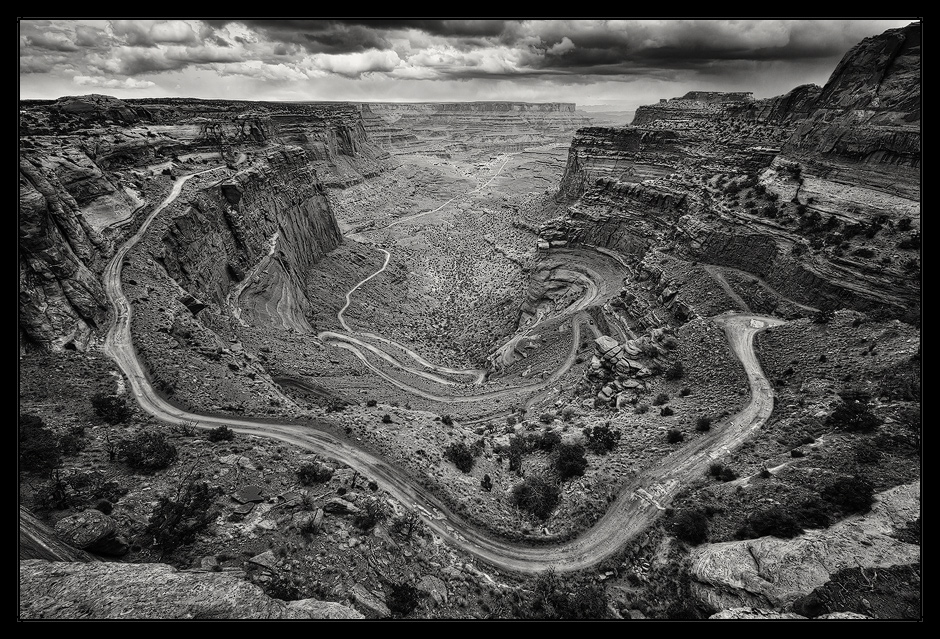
(620, 63)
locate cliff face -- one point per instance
(484, 127)
(90, 165)
(866, 121)
(812, 192)
(227, 229)
(60, 298)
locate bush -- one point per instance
(460, 455)
(641, 408)
(691, 526)
(221, 434)
(854, 416)
(371, 403)
(447, 420)
(703, 424)
(674, 436)
(773, 521)
(813, 513)
(685, 392)
(567, 413)
(402, 598)
(850, 494)
(714, 469)
(374, 512)
(73, 441)
(661, 399)
(486, 483)
(175, 522)
(39, 451)
(556, 598)
(570, 460)
(665, 411)
(386, 419)
(727, 474)
(546, 441)
(602, 439)
(517, 449)
(314, 473)
(546, 418)
(537, 495)
(676, 371)
(147, 450)
(110, 408)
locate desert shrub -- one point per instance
(773, 521)
(373, 512)
(221, 434)
(570, 460)
(148, 450)
(674, 436)
(685, 392)
(912, 242)
(314, 473)
(556, 598)
(460, 455)
(546, 441)
(110, 408)
(863, 252)
(486, 483)
(661, 399)
(904, 224)
(728, 474)
(822, 317)
(691, 526)
(703, 424)
(39, 451)
(676, 371)
(517, 449)
(402, 598)
(537, 495)
(665, 411)
(641, 408)
(386, 419)
(813, 513)
(567, 413)
(850, 494)
(796, 452)
(866, 453)
(371, 403)
(854, 416)
(602, 439)
(714, 469)
(447, 420)
(546, 418)
(177, 521)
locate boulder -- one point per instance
(604, 343)
(338, 506)
(93, 531)
(373, 605)
(435, 587)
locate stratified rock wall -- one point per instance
(227, 228)
(60, 299)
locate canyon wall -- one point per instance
(90, 166)
(815, 192)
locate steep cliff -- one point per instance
(866, 122)
(92, 166)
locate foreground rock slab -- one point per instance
(67, 590)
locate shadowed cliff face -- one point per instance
(815, 192)
(91, 167)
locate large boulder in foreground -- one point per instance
(772, 573)
(67, 590)
(93, 531)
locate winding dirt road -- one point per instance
(638, 505)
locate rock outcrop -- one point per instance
(65, 590)
(773, 573)
(93, 531)
(38, 541)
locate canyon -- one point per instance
(435, 301)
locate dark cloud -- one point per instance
(52, 41)
(316, 36)
(91, 37)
